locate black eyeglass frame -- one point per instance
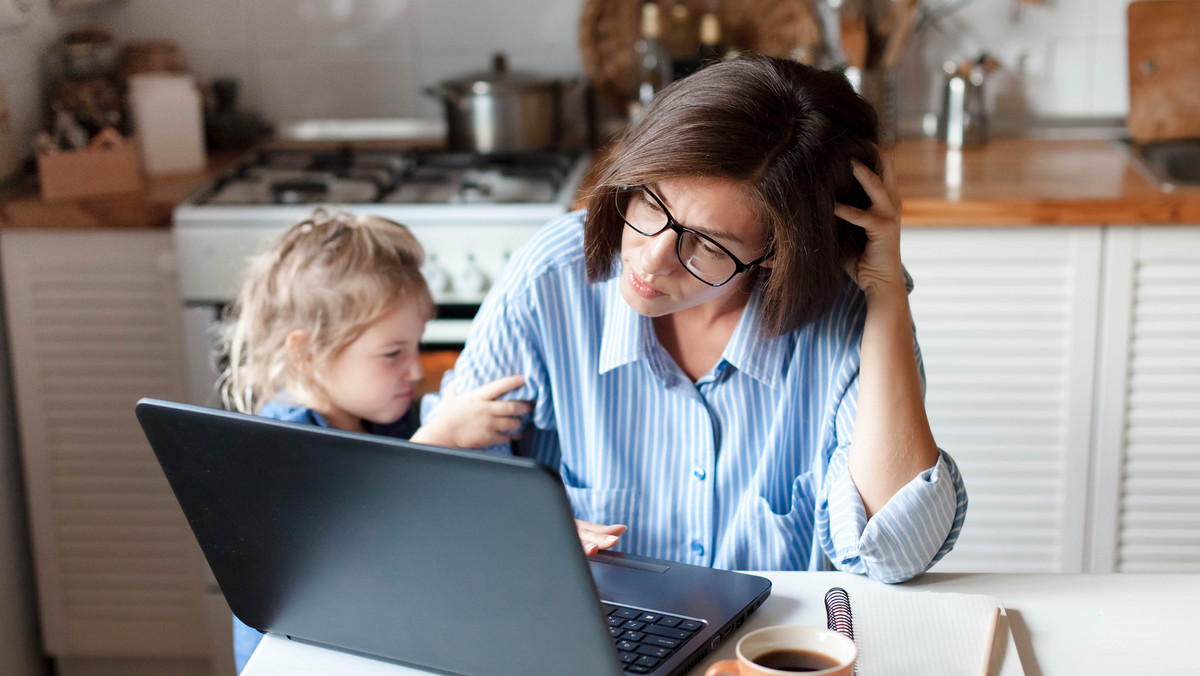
(673, 225)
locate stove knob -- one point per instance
(435, 276)
(470, 280)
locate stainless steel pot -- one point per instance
(501, 110)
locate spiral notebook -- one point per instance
(921, 633)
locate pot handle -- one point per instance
(444, 93)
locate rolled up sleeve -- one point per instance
(914, 530)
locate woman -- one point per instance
(702, 367)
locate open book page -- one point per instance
(927, 634)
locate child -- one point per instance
(325, 331)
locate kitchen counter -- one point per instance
(1008, 182)
(149, 207)
(1029, 181)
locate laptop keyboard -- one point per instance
(645, 639)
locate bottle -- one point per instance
(711, 49)
(653, 63)
(9, 159)
(683, 45)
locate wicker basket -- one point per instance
(609, 28)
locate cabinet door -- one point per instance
(94, 325)
(1006, 319)
(1146, 502)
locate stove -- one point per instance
(470, 212)
(346, 176)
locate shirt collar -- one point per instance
(628, 337)
(751, 351)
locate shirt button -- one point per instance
(699, 473)
(697, 549)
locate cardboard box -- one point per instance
(73, 174)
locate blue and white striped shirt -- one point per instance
(743, 469)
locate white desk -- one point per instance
(1119, 624)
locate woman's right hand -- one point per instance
(596, 536)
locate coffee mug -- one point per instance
(790, 649)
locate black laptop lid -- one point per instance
(385, 547)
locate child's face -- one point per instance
(374, 377)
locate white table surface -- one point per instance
(1063, 624)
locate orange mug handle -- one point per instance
(722, 668)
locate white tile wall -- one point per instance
(1060, 58)
(20, 49)
(347, 58)
(354, 58)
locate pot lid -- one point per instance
(499, 78)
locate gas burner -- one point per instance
(307, 177)
(346, 176)
(267, 187)
(466, 178)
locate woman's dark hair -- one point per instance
(786, 133)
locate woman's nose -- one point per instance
(658, 254)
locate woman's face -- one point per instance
(653, 281)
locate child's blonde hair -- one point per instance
(331, 277)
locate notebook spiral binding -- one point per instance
(837, 612)
(838, 616)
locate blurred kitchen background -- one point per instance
(371, 58)
(1062, 400)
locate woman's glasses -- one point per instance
(699, 254)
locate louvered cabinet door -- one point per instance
(1146, 501)
(1006, 319)
(94, 325)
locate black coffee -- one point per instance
(795, 660)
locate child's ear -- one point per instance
(297, 347)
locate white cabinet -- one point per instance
(1063, 368)
(1006, 319)
(1146, 502)
(94, 325)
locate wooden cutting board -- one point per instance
(1164, 69)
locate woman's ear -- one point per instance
(769, 263)
(298, 352)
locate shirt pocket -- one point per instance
(776, 534)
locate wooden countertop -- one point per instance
(149, 207)
(1008, 182)
(1033, 182)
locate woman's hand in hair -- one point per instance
(878, 268)
(476, 418)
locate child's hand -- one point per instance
(475, 419)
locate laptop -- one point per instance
(452, 561)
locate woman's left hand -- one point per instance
(879, 265)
